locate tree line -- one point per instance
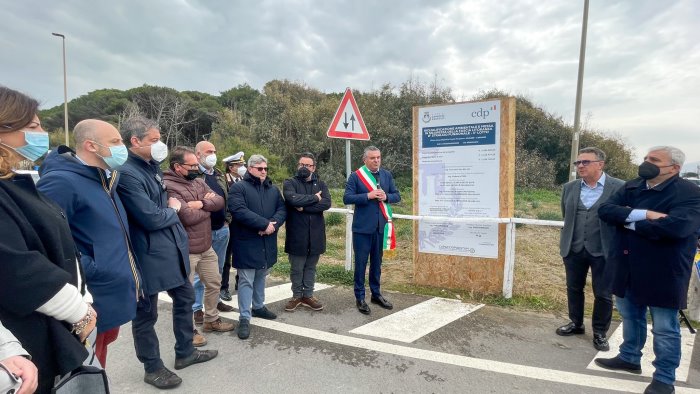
(286, 118)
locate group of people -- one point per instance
(104, 231)
(638, 238)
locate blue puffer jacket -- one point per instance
(99, 226)
(253, 205)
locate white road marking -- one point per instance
(615, 340)
(414, 322)
(549, 375)
(272, 294)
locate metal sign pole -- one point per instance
(348, 217)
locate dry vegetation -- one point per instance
(539, 281)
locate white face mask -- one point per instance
(210, 161)
(159, 151)
(241, 171)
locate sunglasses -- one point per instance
(261, 169)
(585, 163)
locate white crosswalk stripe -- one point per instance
(272, 294)
(414, 322)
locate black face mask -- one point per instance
(303, 173)
(192, 174)
(648, 171)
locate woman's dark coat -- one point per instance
(37, 260)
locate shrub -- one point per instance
(334, 219)
(549, 215)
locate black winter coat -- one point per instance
(253, 205)
(159, 240)
(306, 229)
(654, 261)
(37, 260)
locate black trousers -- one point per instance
(577, 265)
(143, 327)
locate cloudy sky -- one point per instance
(642, 73)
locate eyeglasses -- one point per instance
(261, 169)
(190, 166)
(585, 163)
(306, 165)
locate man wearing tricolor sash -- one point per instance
(371, 189)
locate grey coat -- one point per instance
(570, 196)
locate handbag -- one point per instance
(89, 378)
(9, 382)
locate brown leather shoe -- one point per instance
(311, 302)
(198, 339)
(218, 326)
(292, 304)
(223, 307)
(199, 317)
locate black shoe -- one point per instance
(197, 356)
(162, 378)
(363, 307)
(617, 364)
(381, 301)
(570, 329)
(264, 313)
(225, 295)
(600, 342)
(657, 387)
(243, 328)
(223, 307)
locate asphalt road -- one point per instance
(423, 345)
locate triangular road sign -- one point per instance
(347, 122)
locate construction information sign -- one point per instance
(458, 170)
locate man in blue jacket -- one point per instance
(656, 216)
(160, 245)
(371, 189)
(83, 183)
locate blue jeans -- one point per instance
(667, 337)
(219, 241)
(251, 290)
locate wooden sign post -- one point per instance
(463, 167)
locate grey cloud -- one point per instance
(642, 56)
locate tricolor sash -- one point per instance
(370, 183)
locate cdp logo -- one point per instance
(483, 113)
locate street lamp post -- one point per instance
(65, 87)
(579, 88)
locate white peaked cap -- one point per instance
(237, 158)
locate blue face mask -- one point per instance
(37, 145)
(119, 155)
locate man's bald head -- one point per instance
(92, 130)
(93, 138)
(204, 149)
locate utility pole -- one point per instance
(579, 89)
(65, 87)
